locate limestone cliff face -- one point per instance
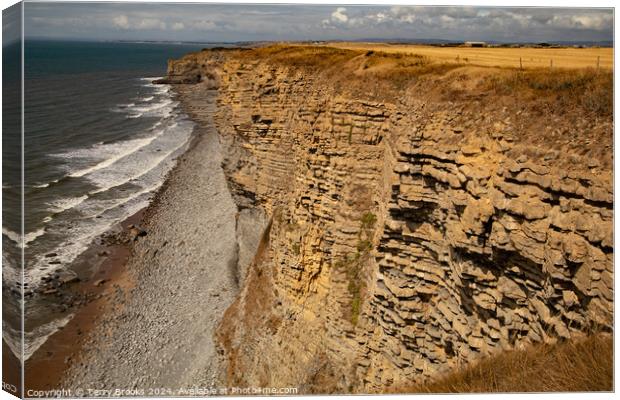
(401, 238)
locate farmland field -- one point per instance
(498, 57)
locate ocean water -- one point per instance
(99, 139)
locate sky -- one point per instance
(237, 22)
(11, 24)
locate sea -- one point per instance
(99, 139)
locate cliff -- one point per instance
(400, 218)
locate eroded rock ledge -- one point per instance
(405, 237)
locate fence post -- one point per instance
(550, 63)
(520, 63)
(598, 64)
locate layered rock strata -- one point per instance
(401, 239)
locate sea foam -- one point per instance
(32, 340)
(124, 173)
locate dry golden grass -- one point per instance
(497, 57)
(400, 69)
(572, 366)
(302, 56)
(587, 89)
(386, 74)
(566, 110)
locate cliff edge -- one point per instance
(408, 217)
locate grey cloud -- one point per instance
(221, 22)
(11, 24)
(463, 23)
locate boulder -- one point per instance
(569, 298)
(510, 289)
(135, 232)
(575, 248)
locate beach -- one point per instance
(255, 199)
(155, 330)
(101, 139)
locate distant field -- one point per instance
(500, 57)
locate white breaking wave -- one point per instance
(43, 185)
(150, 106)
(154, 106)
(158, 103)
(61, 205)
(118, 150)
(13, 236)
(162, 89)
(143, 162)
(28, 238)
(80, 239)
(102, 206)
(11, 271)
(104, 174)
(98, 217)
(104, 184)
(32, 236)
(134, 169)
(163, 108)
(33, 340)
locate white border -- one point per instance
(488, 3)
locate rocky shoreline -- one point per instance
(183, 275)
(82, 299)
(179, 276)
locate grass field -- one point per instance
(383, 75)
(578, 365)
(498, 57)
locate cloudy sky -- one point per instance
(219, 22)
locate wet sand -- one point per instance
(11, 371)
